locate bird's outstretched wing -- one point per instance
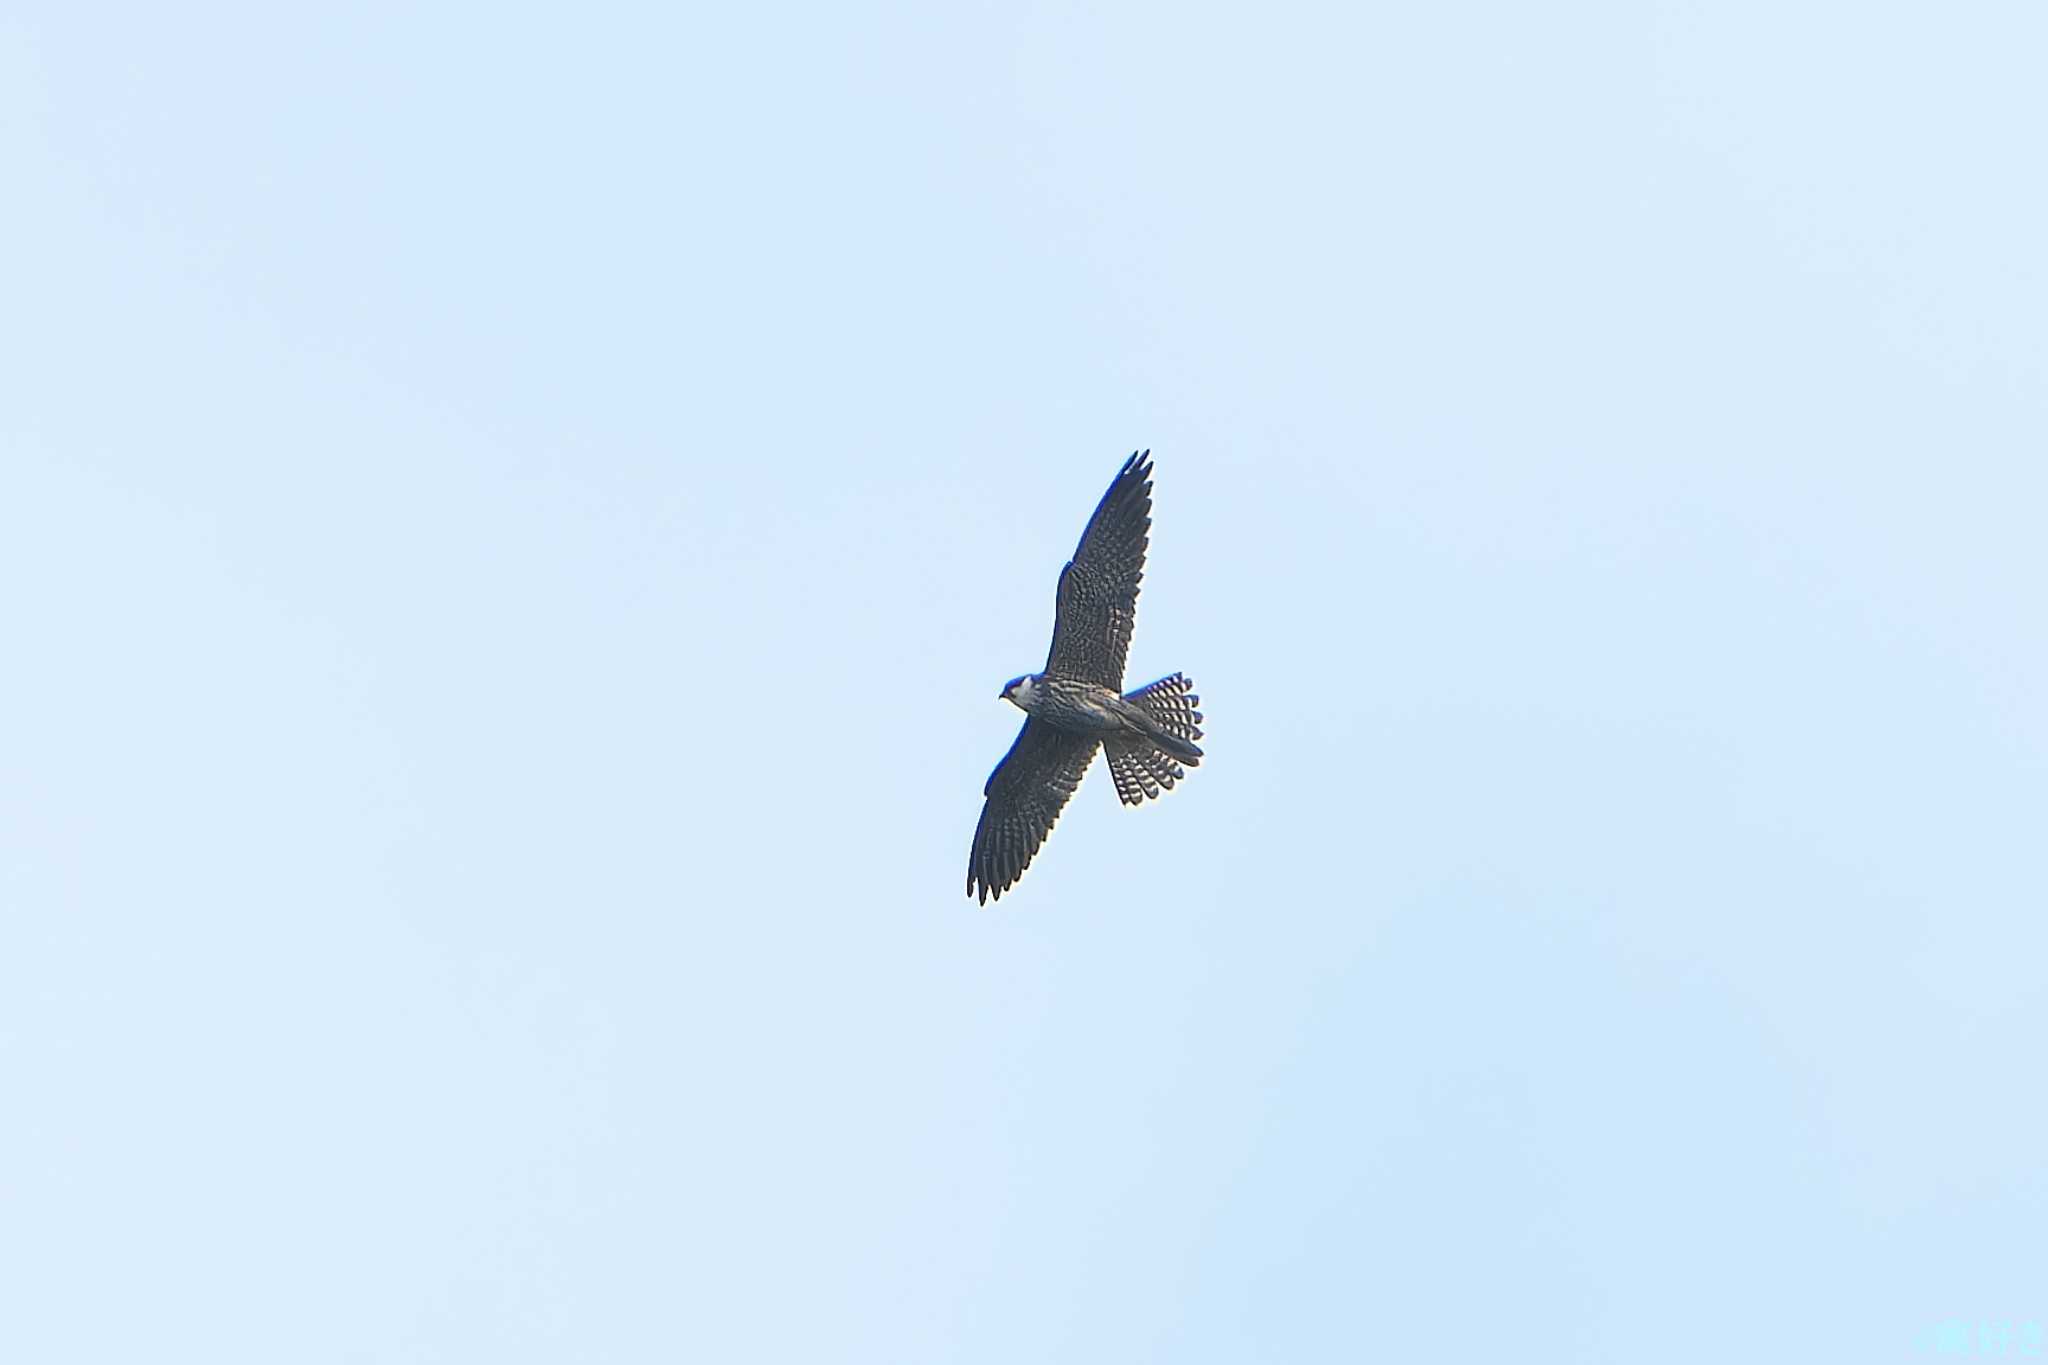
(1098, 598)
(1025, 795)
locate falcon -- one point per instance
(1078, 705)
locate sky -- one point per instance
(513, 521)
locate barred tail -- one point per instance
(1143, 767)
(1170, 705)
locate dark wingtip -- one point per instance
(1137, 470)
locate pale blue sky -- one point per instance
(513, 523)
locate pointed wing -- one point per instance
(1098, 598)
(1025, 795)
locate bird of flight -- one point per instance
(1078, 704)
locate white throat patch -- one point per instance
(1024, 694)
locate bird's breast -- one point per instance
(1077, 707)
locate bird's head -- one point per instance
(1021, 692)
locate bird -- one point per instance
(1077, 704)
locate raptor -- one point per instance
(1077, 705)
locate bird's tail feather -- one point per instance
(1169, 707)
(1144, 766)
(1139, 769)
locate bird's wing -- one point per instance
(1098, 598)
(1025, 795)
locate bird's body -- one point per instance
(1086, 708)
(1081, 708)
(1077, 705)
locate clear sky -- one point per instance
(513, 521)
